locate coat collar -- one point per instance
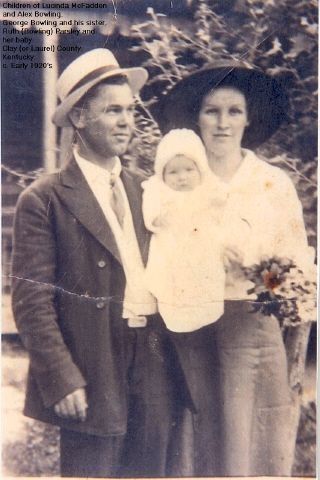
(79, 199)
(133, 189)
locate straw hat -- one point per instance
(267, 102)
(87, 71)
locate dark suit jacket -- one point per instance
(68, 286)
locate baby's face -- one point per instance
(181, 173)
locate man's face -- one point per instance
(108, 120)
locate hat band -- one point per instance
(92, 76)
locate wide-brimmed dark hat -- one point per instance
(266, 100)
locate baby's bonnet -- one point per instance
(181, 142)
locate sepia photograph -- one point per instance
(159, 238)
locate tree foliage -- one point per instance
(279, 36)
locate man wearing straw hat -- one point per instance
(101, 365)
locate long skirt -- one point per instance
(236, 370)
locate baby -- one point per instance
(182, 207)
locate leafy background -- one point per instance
(279, 36)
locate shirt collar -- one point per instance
(96, 172)
(245, 170)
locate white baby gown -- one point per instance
(185, 267)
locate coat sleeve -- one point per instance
(33, 299)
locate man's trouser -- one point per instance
(154, 444)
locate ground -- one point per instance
(31, 448)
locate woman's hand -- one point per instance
(237, 285)
(232, 259)
(232, 256)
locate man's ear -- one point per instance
(77, 117)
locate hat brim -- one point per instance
(268, 102)
(137, 77)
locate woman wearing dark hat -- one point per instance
(242, 424)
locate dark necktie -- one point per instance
(116, 201)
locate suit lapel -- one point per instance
(75, 193)
(134, 194)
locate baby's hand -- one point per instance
(161, 222)
(157, 222)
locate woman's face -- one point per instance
(223, 117)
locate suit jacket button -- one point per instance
(102, 263)
(100, 304)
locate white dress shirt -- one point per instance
(137, 299)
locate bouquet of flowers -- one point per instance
(281, 289)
